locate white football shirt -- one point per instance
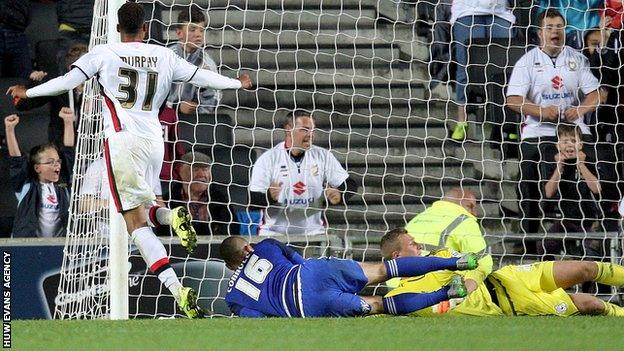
(303, 186)
(551, 82)
(136, 78)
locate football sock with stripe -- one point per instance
(410, 302)
(610, 274)
(415, 266)
(157, 216)
(155, 255)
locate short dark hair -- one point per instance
(232, 251)
(34, 156)
(390, 242)
(569, 129)
(549, 13)
(194, 14)
(131, 17)
(291, 118)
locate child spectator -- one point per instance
(571, 185)
(190, 99)
(41, 182)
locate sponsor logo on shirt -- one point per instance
(51, 198)
(305, 201)
(557, 82)
(554, 96)
(299, 188)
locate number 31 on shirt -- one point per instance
(129, 88)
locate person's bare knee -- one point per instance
(587, 304)
(135, 219)
(589, 270)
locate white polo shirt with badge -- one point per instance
(303, 184)
(550, 81)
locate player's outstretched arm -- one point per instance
(53, 87)
(209, 79)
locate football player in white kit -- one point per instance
(544, 87)
(290, 181)
(135, 79)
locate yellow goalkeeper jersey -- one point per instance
(478, 303)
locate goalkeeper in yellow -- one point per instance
(533, 290)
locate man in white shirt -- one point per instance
(544, 87)
(135, 79)
(290, 181)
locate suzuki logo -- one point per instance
(51, 198)
(299, 188)
(557, 82)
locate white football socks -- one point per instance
(155, 255)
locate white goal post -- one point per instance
(362, 67)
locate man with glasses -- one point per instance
(545, 88)
(291, 180)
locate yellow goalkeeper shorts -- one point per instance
(531, 291)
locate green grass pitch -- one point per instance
(456, 333)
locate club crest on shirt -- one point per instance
(561, 308)
(572, 65)
(314, 171)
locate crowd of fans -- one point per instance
(566, 89)
(563, 96)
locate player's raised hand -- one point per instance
(333, 195)
(11, 121)
(275, 189)
(67, 114)
(245, 81)
(17, 91)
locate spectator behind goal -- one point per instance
(188, 98)
(544, 87)
(290, 181)
(571, 188)
(41, 181)
(195, 191)
(14, 53)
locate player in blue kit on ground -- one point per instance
(273, 280)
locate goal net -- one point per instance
(380, 78)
